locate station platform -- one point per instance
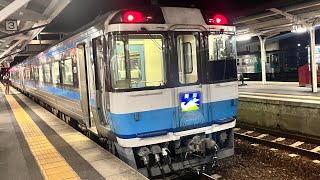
(35, 144)
(280, 105)
(286, 91)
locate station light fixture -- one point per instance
(244, 37)
(298, 28)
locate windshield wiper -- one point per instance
(152, 39)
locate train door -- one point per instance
(86, 105)
(192, 94)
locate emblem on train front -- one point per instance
(190, 101)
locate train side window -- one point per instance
(55, 73)
(47, 74)
(268, 59)
(187, 59)
(40, 73)
(36, 73)
(67, 74)
(31, 72)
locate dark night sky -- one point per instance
(80, 12)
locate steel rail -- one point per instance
(277, 145)
(296, 136)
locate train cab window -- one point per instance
(222, 47)
(222, 58)
(67, 74)
(187, 59)
(55, 73)
(137, 61)
(47, 74)
(40, 73)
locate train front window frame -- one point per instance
(137, 60)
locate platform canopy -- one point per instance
(21, 21)
(294, 16)
(274, 20)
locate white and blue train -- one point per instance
(157, 84)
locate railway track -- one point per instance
(295, 143)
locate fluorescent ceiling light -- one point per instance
(244, 37)
(298, 28)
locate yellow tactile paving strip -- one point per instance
(52, 164)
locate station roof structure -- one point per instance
(274, 20)
(22, 20)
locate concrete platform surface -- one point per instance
(286, 91)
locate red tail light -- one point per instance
(220, 19)
(133, 16)
(216, 19)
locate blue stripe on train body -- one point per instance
(74, 95)
(162, 121)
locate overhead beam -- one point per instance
(278, 22)
(22, 12)
(287, 9)
(290, 17)
(11, 8)
(54, 8)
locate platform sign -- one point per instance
(11, 25)
(190, 101)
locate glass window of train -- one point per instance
(187, 59)
(67, 75)
(55, 73)
(98, 59)
(137, 61)
(31, 72)
(36, 73)
(40, 73)
(268, 59)
(222, 47)
(47, 74)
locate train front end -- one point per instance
(173, 94)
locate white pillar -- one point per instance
(313, 61)
(263, 58)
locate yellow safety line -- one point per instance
(281, 95)
(50, 161)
